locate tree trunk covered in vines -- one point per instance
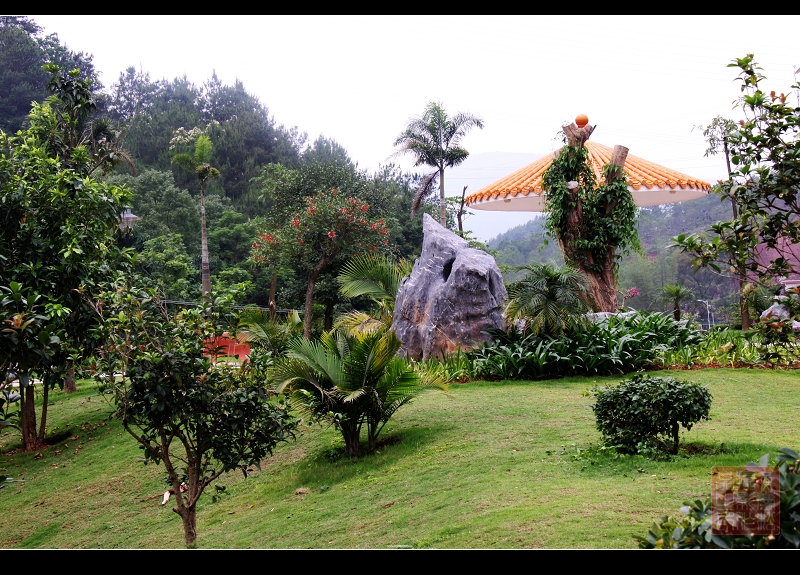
(591, 222)
(603, 289)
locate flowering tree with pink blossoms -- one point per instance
(330, 227)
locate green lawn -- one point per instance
(487, 464)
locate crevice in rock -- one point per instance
(448, 268)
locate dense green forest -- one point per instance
(266, 170)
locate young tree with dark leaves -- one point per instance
(763, 186)
(330, 228)
(199, 419)
(57, 238)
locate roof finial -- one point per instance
(581, 120)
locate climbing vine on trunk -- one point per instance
(595, 224)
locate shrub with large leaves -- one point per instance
(616, 345)
(694, 529)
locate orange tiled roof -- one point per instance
(640, 173)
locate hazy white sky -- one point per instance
(645, 81)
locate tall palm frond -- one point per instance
(359, 322)
(268, 334)
(426, 187)
(377, 277)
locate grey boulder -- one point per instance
(453, 295)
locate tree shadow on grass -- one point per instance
(327, 465)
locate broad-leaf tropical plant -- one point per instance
(351, 382)
(434, 139)
(549, 299)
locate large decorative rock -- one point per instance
(453, 294)
(779, 310)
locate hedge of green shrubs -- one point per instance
(617, 345)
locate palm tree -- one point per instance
(375, 276)
(199, 163)
(675, 294)
(434, 140)
(549, 298)
(351, 382)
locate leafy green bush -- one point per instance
(694, 529)
(645, 413)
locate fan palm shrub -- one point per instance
(351, 382)
(265, 333)
(377, 277)
(549, 299)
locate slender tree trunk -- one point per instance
(43, 418)
(69, 379)
(676, 311)
(189, 519)
(460, 213)
(442, 206)
(312, 281)
(328, 321)
(28, 415)
(206, 269)
(273, 290)
(675, 438)
(744, 309)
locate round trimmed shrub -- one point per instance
(645, 413)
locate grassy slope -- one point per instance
(498, 465)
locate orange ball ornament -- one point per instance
(581, 120)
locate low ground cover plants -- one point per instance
(616, 345)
